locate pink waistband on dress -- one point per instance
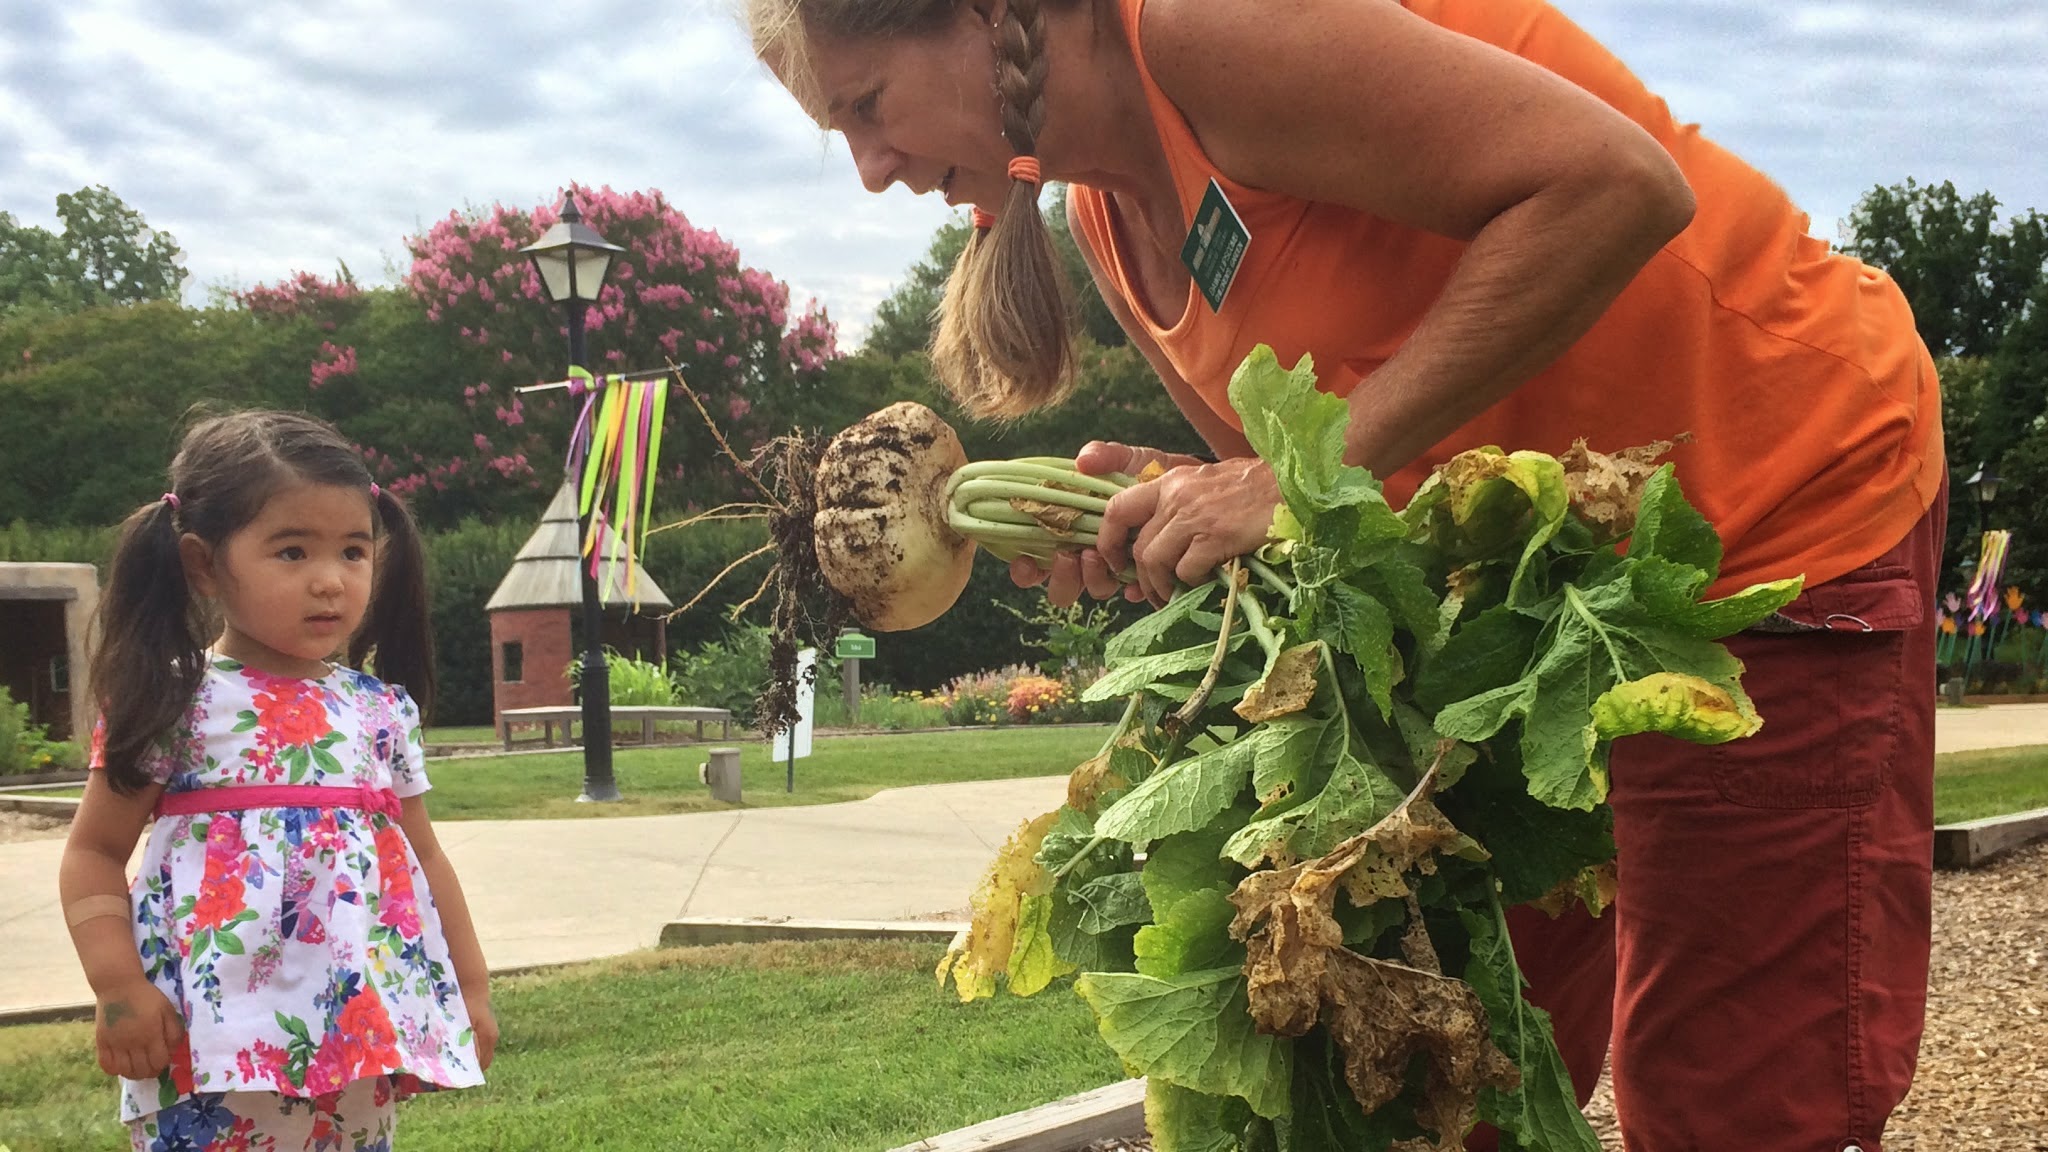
(376, 801)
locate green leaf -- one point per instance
(1182, 1120)
(1299, 431)
(1182, 796)
(1140, 672)
(1355, 623)
(1489, 651)
(1113, 901)
(1398, 582)
(1668, 591)
(1542, 1112)
(1148, 633)
(1355, 796)
(1194, 1030)
(294, 1027)
(1188, 885)
(227, 942)
(1534, 847)
(1669, 528)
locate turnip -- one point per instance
(900, 512)
(882, 523)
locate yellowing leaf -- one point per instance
(1032, 964)
(991, 939)
(1286, 688)
(1097, 777)
(1675, 703)
(1594, 887)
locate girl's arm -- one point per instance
(470, 970)
(137, 1026)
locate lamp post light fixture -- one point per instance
(1983, 485)
(573, 262)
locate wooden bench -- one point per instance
(569, 715)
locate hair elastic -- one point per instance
(171, 498)
(1025, 168)
(983, 218)
(376, 493)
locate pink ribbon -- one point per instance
(375, 801)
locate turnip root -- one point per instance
(900, 511)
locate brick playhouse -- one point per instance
(532, 640)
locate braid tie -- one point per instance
(1025, 168)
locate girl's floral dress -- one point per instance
(301, 943)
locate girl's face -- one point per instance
(293, 583)
(919, 109)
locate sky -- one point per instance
(285, 136)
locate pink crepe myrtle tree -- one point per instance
(679, 293)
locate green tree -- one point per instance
(106, 254)
(1967, 276)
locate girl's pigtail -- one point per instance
(398, 629)
(148, 663)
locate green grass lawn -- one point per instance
(664, 778)
(806, 1047)
(1973, 785)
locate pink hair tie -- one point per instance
(375, 492)
(171, 498)
(1025, 168)
(983, 218)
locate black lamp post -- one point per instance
(1983, 485)
(573, 261)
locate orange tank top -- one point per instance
(1809, 401)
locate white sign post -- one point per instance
(795, 740)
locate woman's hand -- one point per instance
(137, 1030)
(1187, 521)
(1071, 574)
(483, 1023)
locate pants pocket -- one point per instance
(1830, 703)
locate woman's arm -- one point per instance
(136, 1027)
(1561, 198)
(471, 973)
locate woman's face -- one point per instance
(919, 108)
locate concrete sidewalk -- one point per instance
(553, 891)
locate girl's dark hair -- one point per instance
(150, 626)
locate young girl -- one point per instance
(295, 952)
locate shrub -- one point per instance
(634, 683)
(726, 673)
(1031, 696)
(25, 747)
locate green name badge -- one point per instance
(1215, 247)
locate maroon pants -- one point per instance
(1763, 973)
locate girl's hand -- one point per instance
(1072, 574)
(137, 1030)
(483, 1025)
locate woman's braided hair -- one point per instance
(1003, 346)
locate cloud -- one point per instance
(274, 138)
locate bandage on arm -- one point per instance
(94, 907)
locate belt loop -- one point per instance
(1861, 625)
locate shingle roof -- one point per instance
(544, 574)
